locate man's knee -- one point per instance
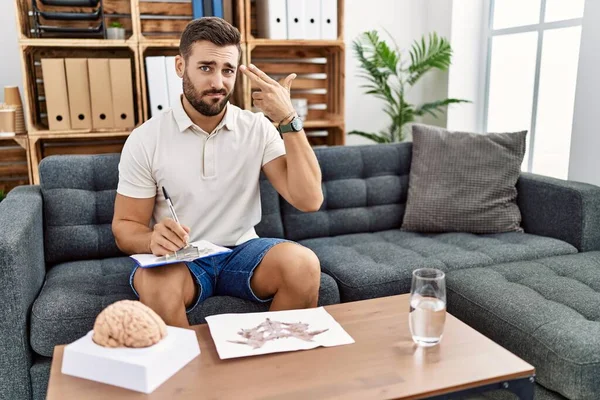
(301, 270)
(165, 284)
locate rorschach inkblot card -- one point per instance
(243, 335)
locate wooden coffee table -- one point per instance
(384, 363)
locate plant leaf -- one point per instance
(437, 106)
(372, 136)
(436, 53)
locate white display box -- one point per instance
(142, 369)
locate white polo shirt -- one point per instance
(213, 180)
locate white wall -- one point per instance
(10, 65)
(467, 72)
(584, 163)
(406, 21)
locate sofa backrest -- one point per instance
(79, 197)
(365, 190)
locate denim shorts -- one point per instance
(227, 274)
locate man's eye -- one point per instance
(204, 68)
(229, 71)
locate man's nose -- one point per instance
(216, 81)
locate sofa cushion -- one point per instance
(75, 292)
(270, 224)
(546, 311)
(379, 264)
(464, 182)
(79, 197)
(364, 189)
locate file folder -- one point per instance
(228, 11)
(78, 89)
(329, 22)
(217, 6)
(312, 19)
(174, 82)
(271, 19)
(157, 84)
(208, 8)
(296, 21)
(121, 83)
(55, 89)
(198, 8)
(100, 93)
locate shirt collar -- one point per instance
(184, 122)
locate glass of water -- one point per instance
(427, 306)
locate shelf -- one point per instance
(323, 123)
(77, 134)
(254, 42)
(174, 43)
(20, 139)
(29, 42)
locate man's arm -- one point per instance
(296, 176)
(131, 228)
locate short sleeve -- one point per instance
(135, 169)
(274, 146)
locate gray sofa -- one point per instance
(536, 293)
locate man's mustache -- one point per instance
(214, 91)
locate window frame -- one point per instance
(540, 28)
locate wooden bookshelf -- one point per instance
(153, 28)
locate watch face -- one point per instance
(297, 124)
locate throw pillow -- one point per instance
(464, 182)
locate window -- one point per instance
(533, 52)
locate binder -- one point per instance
(100, 93)
(78, 89)
(157, 84)
(228, 11)
(198, 8)
(195, 251)
(217, 7)
(55, 89)
(271, 19)
(121, 84)
(174, 82)
(329, 22)
(312, 19)
(296, 21)
(208, 8)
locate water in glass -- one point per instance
(427, 306)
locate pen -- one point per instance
(170, 203)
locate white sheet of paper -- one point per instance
(225, 329)
(149, 260)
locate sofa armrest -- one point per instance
(22, 272)
(565, 210)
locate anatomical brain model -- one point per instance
(128, 323)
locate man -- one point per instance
(208, 154)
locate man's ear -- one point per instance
(179, 65)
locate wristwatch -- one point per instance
(295, 125)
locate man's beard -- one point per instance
(195, 99)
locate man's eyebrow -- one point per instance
(228, 65)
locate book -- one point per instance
(194, 251)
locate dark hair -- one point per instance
(212, 29)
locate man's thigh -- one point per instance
(184, 278)
(252, 257)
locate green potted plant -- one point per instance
(2, 195)
(390, 74)
(115, 31)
